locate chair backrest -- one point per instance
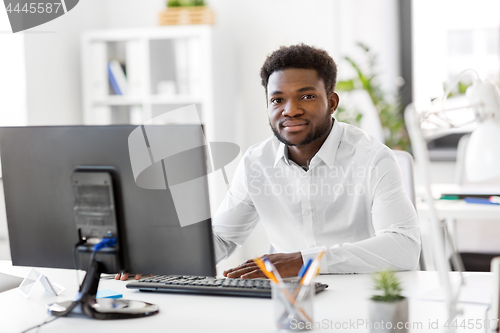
(405, 162)
(460, 177)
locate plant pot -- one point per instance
(388, 316)
(186, 15)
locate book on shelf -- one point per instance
(117, 78)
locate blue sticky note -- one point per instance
(108, 293)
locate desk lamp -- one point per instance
(482, 163)
(482, 158)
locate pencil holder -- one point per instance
(293, 306)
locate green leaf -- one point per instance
(462, 87)
(174, 3)
(363, 46)
(345, 85)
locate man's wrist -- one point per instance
(312, 253)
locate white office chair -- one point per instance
(405, 162)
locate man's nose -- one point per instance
(292, 109)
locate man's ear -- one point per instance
(334, 102)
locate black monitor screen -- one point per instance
(38, 164)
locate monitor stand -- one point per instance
(102, 308)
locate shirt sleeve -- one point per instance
(236, 217)
(396, 244)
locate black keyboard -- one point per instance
(202, 285)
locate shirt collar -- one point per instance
(326, 153)
(328, 150)
(281, 153)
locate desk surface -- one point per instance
(343, 303)
(459, 209)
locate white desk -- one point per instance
(459, 209)
(344, 301)
(451, 211)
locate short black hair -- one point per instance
(304, 57)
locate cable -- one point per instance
(455, 82)
(40, 325)
(105, 242)
(76, 261)
(443, 116)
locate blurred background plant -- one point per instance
(459, 89)
(390, 113)
(185, 3)
(350, 116)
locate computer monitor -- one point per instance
(41, 169)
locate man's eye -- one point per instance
(276, 100)
(308, 97)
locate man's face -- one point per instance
(299, 108)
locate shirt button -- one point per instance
(307, 212)
(312, 246)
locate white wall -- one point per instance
(376, 24)
(432, 23)
(13, 75)
(12, 101)
(53, 65)
(53, 55)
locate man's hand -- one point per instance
(288, 264)
(124, 276)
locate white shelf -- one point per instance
(164, 32)
(178, 57)
(116, 100)
(159, 99)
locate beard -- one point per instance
(313, 135)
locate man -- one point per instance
(317, 183)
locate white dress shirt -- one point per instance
(350, 201)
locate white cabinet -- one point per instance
(166, 68)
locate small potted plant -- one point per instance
(181, 12)
(388, 310)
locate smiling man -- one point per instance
(317, 183)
